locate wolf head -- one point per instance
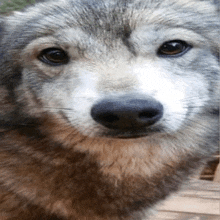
(116, 49)
(133, 84)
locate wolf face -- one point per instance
(116, 101)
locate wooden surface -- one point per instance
(200, 200)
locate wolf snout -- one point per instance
(125, 113)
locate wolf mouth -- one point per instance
(132, 133)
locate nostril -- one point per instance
(109, 118)
(148, 114)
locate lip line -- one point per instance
(131, 134)
(126, 136)
(131, 137)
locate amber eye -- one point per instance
(173, 48)
(53, 56)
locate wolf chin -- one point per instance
(106, 107)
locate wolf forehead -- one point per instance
(109, 19)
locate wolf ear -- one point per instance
(10, 71)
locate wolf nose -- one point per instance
(127, 113)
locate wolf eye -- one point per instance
(173, 48)
(53, 56)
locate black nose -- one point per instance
(127, 112)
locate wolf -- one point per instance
(106, 107)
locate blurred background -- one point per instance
(7, 6)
